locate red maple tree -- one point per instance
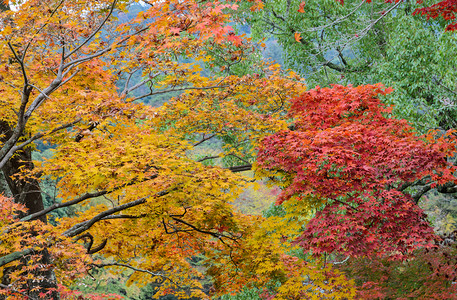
(351, 163)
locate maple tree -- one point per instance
(145, 204)
(363, 174)
(361, 43)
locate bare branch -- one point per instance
(84, 226)
(80, 199)
(448, 188)
(342, 262)
(37, 136)
(320, 28)
(78, 228)
(14, 256)
(136, 86)
(207, 157)
(360, 35)
(65, 204)
(42, 134)
(416, 197)
(241, 168)
(135, 269)
(101, 52)
(114, 217)
(178, 90)
(127, 82)
(89, 245)
(68, 78)
(214, 234)
(204, 139)
(240, 158)
(43, 96)
(438, 81)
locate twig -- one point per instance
(341, 262)
(204, 139)
(178, 90)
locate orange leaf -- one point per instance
(301, 7)
(297, 36)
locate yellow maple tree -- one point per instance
(143, 202)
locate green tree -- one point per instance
(366, 42)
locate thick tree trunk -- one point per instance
(4, 189)
(24, 191)
(27, 192)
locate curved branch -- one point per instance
(80, 199)
(135, 269)
(84, 226)
(98, 248)
(91, 242)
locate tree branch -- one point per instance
(41, 134)
(84, 226)
(20, 61)
(416, 197)
(7, 287)
(14, 256)
(214, 234)
(336, 21)
(135, 269)
(204, 139)
(241, 168)
(207, 157)
(80, 199)
(79, 228)
(178, 90)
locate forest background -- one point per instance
(233, 149)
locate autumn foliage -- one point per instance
(350, 162)
(446, 9)
(73, 78)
